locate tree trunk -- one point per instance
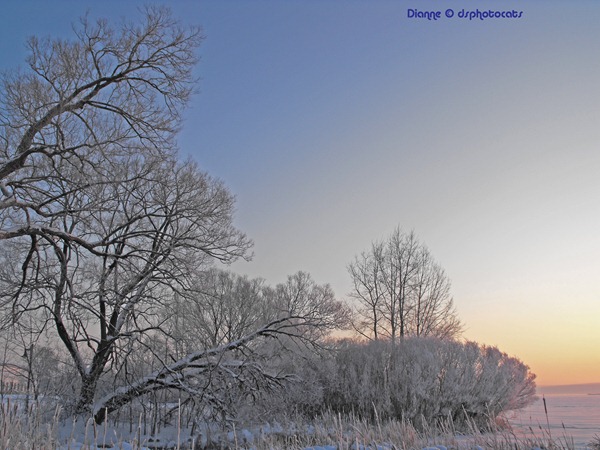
(86, 394)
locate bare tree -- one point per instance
(432, 310)
(221, 307)
(30, 365)
(103, 272)
(101, 227)
(366, 273)
(399, 266)
(401, 291)
(98, 220)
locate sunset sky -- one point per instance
(335, 121)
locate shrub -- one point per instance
(426, 379)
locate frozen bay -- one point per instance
(572, 412)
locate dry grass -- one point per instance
(29, 431)
(350, 433)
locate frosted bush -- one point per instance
(425, 379)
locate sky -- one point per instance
(334, 122)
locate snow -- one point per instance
(121, 446)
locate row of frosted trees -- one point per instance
(294, 369)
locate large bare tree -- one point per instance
(98, 219)
(102, 227)
(132, 237)
(96, 213)
(401, 291)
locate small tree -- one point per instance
(401, 291)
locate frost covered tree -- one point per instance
(401, 291)
(93, 200)
(102, 227)
(223, 308)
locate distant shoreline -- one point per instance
(570, 389)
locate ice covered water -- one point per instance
(572, 413)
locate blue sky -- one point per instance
(333, 122)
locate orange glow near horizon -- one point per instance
(559, 345)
